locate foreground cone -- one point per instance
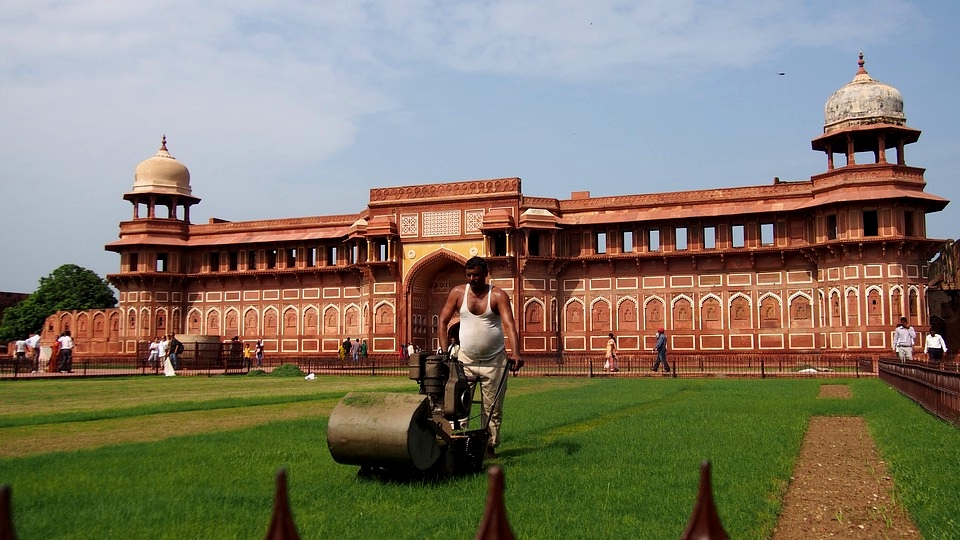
(705, 521)
(495, 525)
(281, 523)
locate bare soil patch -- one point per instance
(840, 487)
(834, 391)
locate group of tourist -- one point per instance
(249, 353)
(354, 350)
(904, 337)
(660, 348)
(59, 359)
(165, 351)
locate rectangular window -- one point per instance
(832, 227)
(271, 259)
(355, 254)
(653, 240)
(737, 238)
(601, 243)
(251, 260)
(766, 234)
(133, 262)
(311, 256)
(709, 237)
(162, 263)
(871, 223)
(215, 261)
(332, 256)
(533, 244)
(681, 238)
(232, 258)
(627, 242)
(291, 257)
(499, 241)
(908, 229)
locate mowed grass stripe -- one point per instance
(51, 397)
(623, 462)
(62, 437)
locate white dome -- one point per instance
(162, 173)
(863, 101)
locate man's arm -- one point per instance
(446, 315)
(502, 302)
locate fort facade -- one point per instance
(829, 263)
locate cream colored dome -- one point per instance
(863, 101)
(162, 173)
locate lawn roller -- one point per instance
(411, 434)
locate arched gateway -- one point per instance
(426, 289)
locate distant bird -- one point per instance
(781, 73)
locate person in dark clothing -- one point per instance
(661, 350)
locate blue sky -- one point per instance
(286, 109)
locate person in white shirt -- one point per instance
(66, 352)
(33, 343)
(154, 355)
(20, 352)
(934, 346)
(903, 338)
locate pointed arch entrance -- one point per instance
(427, 288)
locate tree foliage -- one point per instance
(69, 287)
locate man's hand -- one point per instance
(515, 365)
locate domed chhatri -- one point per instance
(863, 101)
(162, 174)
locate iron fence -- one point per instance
(936, 387)
(207, 359)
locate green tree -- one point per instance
(67, 288)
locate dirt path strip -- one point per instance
(840, 488)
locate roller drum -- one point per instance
(383, 430)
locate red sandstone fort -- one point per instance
(829, 263)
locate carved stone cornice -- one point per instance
(284, 224)
(712, 196)
(454, 191)
(869, 172)
(162, 226)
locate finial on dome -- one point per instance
(163, 142)
(860, 63)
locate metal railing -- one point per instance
(934, 386)
(202, 359)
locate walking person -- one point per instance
(904, 337)
(258, 352)
(153, 357)
(163, 351)
(355, 351)
(364, 351)
(53, 363)
(486, 319)
(166, 355)
(611, 362)
(19, 354)
(66, 352)
(33, 345)
(174, 351)
(661, 349)
(247, 356)
(934, 346)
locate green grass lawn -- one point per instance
(583, 458)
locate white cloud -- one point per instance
(250, 92)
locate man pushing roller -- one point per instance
(485, 316)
